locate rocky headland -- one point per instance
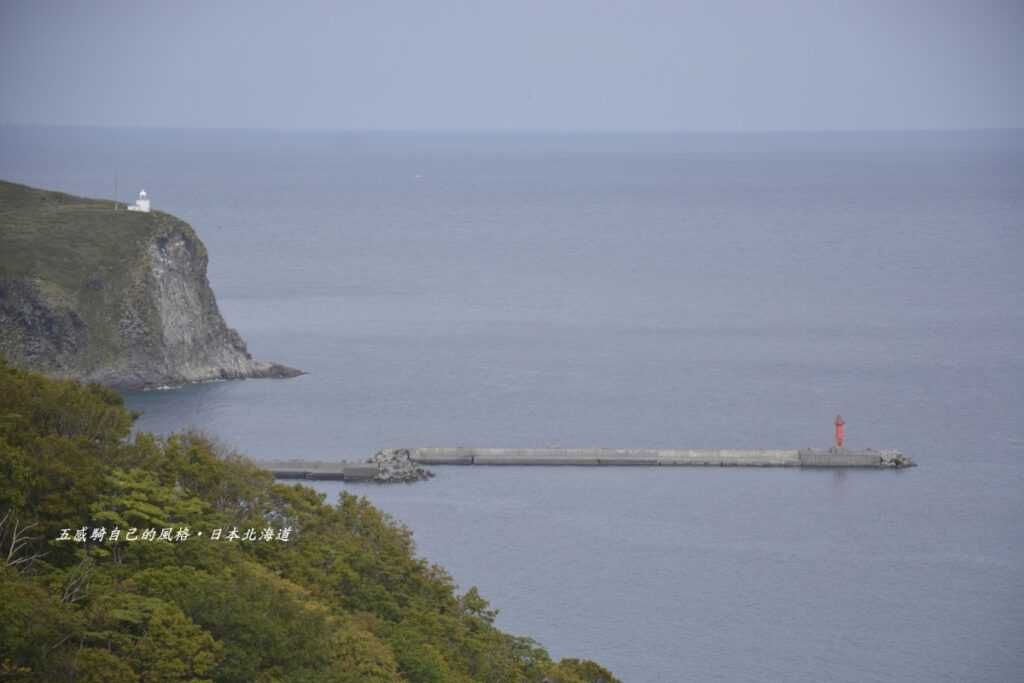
(121, 298)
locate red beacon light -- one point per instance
(839, 431)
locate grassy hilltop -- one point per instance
(70, 240)
(344, 599)
(75, 251)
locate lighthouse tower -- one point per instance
(141, 204)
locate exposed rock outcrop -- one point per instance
(115, 297)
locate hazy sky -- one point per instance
(517, 64)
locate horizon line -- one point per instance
(514, 131)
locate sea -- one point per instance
(635, 290)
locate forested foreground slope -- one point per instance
(317, 592)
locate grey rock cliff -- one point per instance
(117, 298)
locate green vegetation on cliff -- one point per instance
(343, 599)
(78, 254)
(71, 239)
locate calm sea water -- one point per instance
(641, 291)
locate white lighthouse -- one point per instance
(141, 204)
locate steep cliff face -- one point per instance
(109, 296)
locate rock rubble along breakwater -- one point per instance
(397, 465)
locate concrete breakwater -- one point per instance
(402, 464)
(832, 457)
(386, 466)
(318, 470)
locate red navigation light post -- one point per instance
(839, 431)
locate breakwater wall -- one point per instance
(401, 464)
(833, 457)
(321, 471)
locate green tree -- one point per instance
(96, 665)
(580, 671)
